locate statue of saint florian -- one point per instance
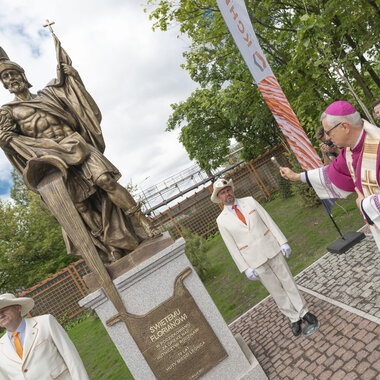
(60, 127)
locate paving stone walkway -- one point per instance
(352, 278)
(347, 346)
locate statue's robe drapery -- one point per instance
(357, 167)
(80, 155)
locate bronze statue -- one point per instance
(60, 127)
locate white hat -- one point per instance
(8, 299)
(220, 184)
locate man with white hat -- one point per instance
(257, 246)
(356, 169)
(35, 348)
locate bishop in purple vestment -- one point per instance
(356, 169)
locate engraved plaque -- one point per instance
(175, 338)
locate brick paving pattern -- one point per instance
(352, 278)
(347, 346)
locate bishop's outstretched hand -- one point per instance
(289, 174)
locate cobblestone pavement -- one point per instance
(346, 346)
(352, 278)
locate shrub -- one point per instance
(284, 187)
(195, 249)
(309, 197)
(68, 323)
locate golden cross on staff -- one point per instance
(48, 25)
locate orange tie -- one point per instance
(17, 343)
(239, 214)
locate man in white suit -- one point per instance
(35, 348)
(257, 246)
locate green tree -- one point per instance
(304, 41)
(210, 118)
(31, 243)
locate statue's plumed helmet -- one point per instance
(6, 64)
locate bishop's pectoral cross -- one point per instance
(48, 25)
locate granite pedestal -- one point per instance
(144, 289)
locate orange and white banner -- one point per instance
(236, 17)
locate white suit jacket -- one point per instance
(48, 353)
(253, 244)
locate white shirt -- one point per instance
(21, 333)
(229, 207)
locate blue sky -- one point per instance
(5, 186)
(132, 72)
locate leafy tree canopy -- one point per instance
(305, 43)
(31, 243)
(210, 118)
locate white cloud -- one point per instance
(132, 72)
(5, 169)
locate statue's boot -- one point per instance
(143, 220)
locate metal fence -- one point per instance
(198, 214)
(60, 293)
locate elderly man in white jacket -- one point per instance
(35, 348)
(257, 246)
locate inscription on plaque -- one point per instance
(175, 337)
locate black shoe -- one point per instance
(312, 324)
(296, 328)
(311, 319)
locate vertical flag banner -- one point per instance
(236, 17)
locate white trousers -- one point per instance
(275, 275)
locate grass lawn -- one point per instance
(309, 231)
(99, 354)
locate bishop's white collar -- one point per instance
(358, 140)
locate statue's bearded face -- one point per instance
(13, 80)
